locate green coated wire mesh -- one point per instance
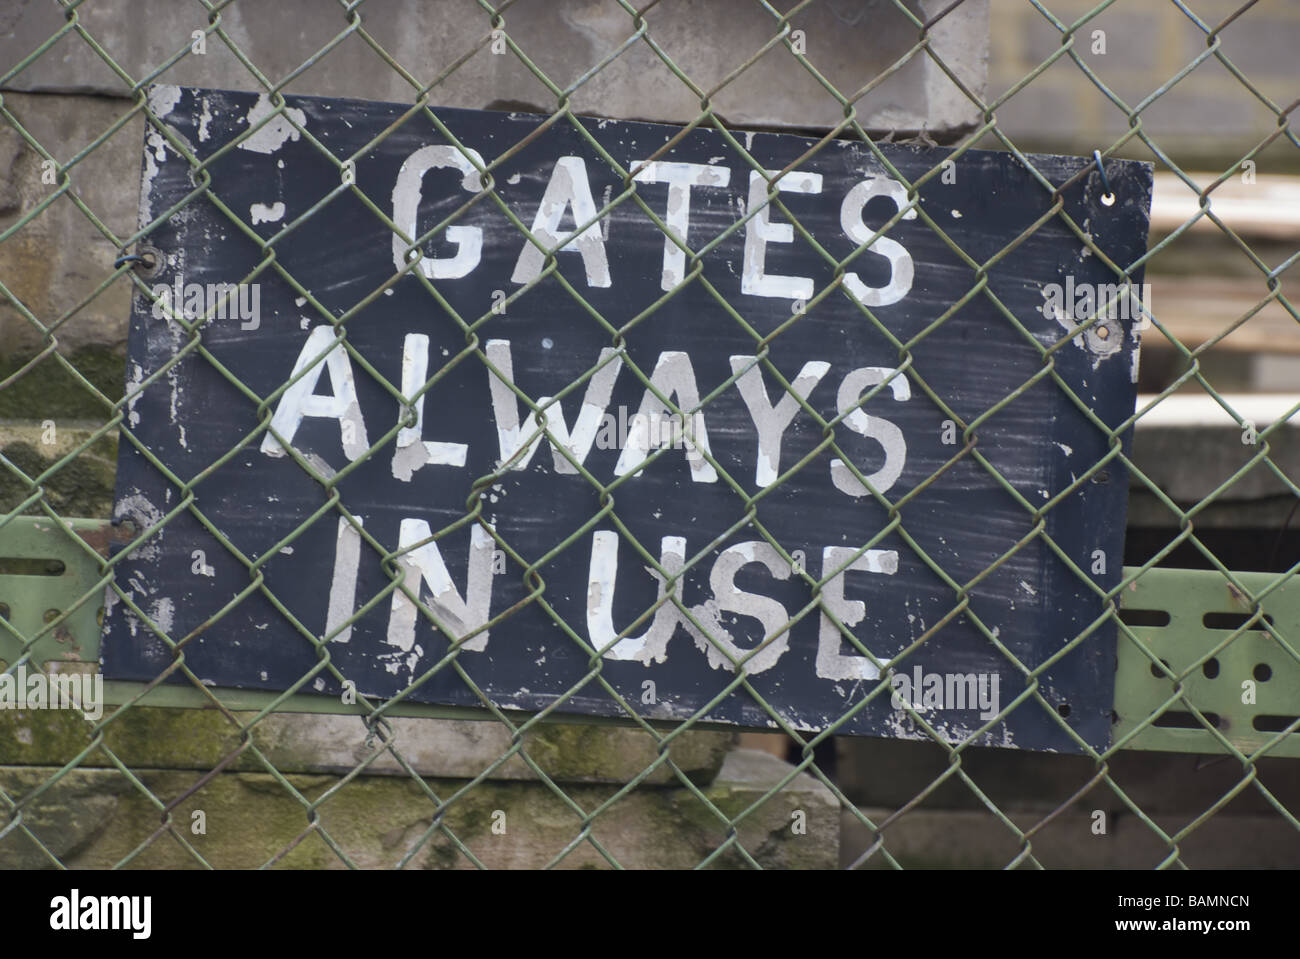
(187, 768)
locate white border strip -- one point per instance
(1261, 409)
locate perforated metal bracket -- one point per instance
(1208, 662)
(52, 611)
(1205, 669)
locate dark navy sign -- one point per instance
(630, 548)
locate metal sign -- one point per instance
(769, 485)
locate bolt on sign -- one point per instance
(742, 433)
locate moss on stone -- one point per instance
(594, 753)
(141, 737)
(81, 487)
(569, 752)
(95, 818)
(49, 391)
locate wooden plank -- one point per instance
(1197, 309)
(1268, 206)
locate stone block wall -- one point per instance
(289, 793)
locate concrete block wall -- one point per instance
(1208, 119)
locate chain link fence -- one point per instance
(164, 765)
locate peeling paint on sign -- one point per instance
(707, 490)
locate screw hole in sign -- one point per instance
(1107, 198)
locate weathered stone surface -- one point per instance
(961, 40)
(82, 487)
(451, 748)
(65, 819)
(850, 44)
(303, 743)
(58, 259)
(796, 827)
(93, 818)
(11, 149)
